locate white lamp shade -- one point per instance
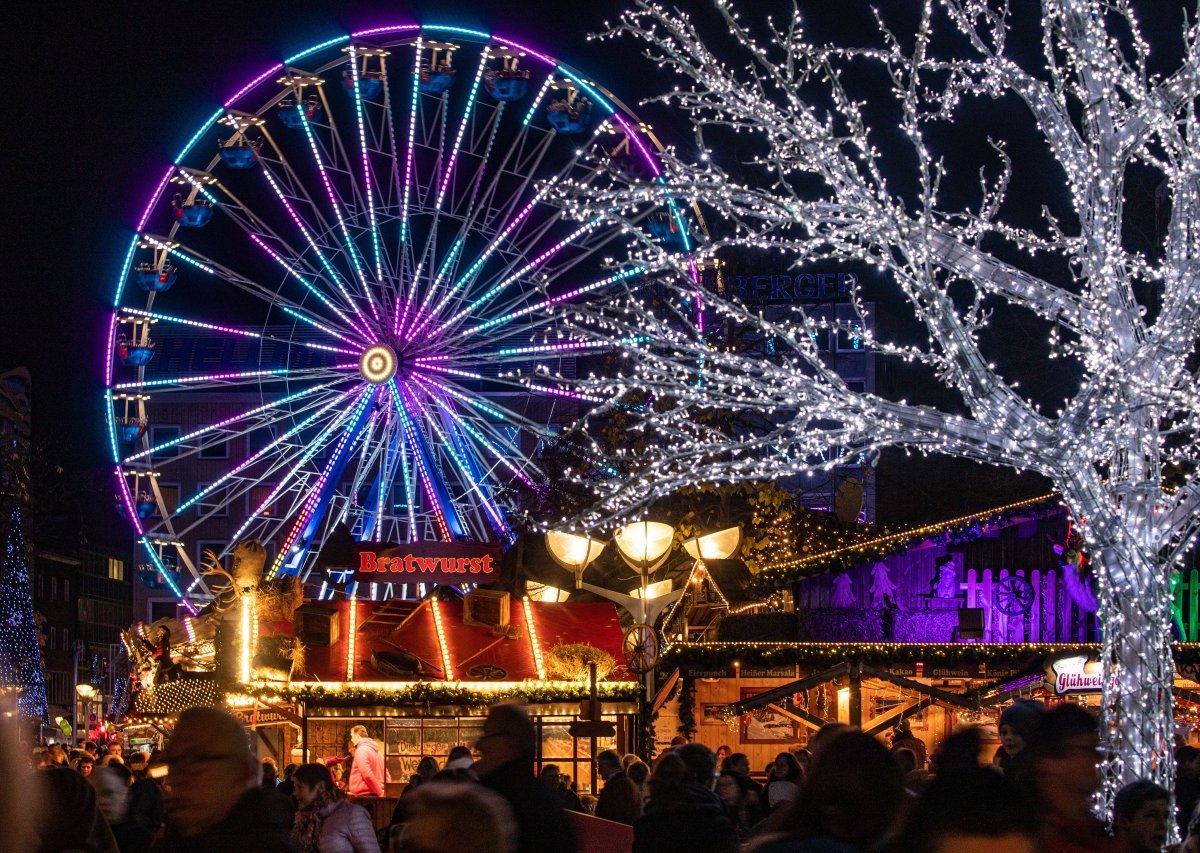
(644, 543)
(545, 592)
(653, 590)
(572, 551)
(720, 545)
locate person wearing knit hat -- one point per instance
(1017, 723)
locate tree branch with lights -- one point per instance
(830, 180)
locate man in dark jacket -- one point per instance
(683, 813)
(619, 799)
(506, 749)
(214, 798)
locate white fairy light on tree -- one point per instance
(1123, 448)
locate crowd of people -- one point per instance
(844, 792)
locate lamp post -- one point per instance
(85, 692)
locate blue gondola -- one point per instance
(151, 278)
(506, 85)
(240, 154)
(571, 118)
(435, 82)
(134, 355)
(293, 113)
(130, 430)
(665, 230)
(194, 214)
(145, 506)
(370, 84)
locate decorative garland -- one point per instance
(687, 707)
(714, 655)
(433, 693)
(956, 531)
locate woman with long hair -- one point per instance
(785, 780)
(326, 822)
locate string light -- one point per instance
(534, 644)
(351, 636)
(821, 187)
(443, 646)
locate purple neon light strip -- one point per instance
(154, 197)
(420, 315)
(245, 333)
(230, 420)
(448, 407)
(448, 444)
(529, 267)
(366, 163)
(333, 275)
(553, 300)
(250, 460)
(211, 377)
(337, 210)
(310, 451)
(528, 50)
(274, 69)
(462, 129)
(315, 495)
(128, 499)
(410, 433)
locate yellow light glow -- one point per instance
(378, 364)
(351, 634)
(571, 551)
(644, 543)
(720, 545)
(538, 663)
(247, 635)
(545, 592)
(447, 668)
(653, 590)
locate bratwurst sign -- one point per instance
(427, 562)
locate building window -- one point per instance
(215, 546)
(66, 590)
(161, 434)
(170, 497)
(67, 639)
(53, 642)
(213, 504)
(54, 589)
(116, 569)
(850, 340)
(858, 386)
(162, 610)
(215, 450)
(41, 586)
(260, 493)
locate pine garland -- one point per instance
(424, 693)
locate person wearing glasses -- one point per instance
(214, 798)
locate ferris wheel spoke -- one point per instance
(439, 505)
(230, 330)
(227, 380)
(369, 200)
(462, 128)
(221, 427)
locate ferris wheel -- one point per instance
(339, 307)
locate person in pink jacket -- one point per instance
(367, 773)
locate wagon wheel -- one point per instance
(640, 648)
(1014, 596)
(487, 672)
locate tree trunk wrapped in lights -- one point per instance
(830, 181)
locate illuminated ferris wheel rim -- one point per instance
(376, 360)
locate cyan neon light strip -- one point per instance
(443, 28)
(177, 253)
(209, 197)
(109, 421)
(462, 129)
(337, 210)
(394, 28)
(366, 163)
(245, 333)
(554, 300)
(304, 318)
(158, 564)
(595, 96)
(451, 447)
(261, 453)
(274, 69)
(412, 133)
(537, 100)
(437, 281)
(196, 136)
(316, 47)
(227, 421)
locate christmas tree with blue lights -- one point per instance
(20, 655)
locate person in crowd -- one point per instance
(551, 778)
(1140, 814)
(214, 797)
(738, 764)
(741, 803)
(825, 735)
(804, 759)
(961, 751)
(972, 809)
(327, 822)
(270, 773)
(784, 783)
(287, 787)
(639, 774)
(1058, 765)
(453, 817)
(112, 786)
(678, 740)
(723, 752)
(506, 752)
(367, 773)
(91, 749)
(902, 736)
(619, 799)
(146, 803)
(115, 748)
(85, 764)
(683, 813)
(1187, 784)
(850, 801)
(337, 769)
(1016, 722)
(589, 804)
(460, 757)
(68, 819)
(58, 756)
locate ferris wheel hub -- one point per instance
(378, 364)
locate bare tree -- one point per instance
(828, 181)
